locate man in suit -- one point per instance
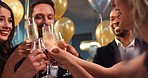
(43, 12)
(124, 47)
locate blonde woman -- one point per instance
(132, 16)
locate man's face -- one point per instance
(114, 24)
(43, 14)
(126, 18)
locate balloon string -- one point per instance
(27, 9)
(101, 17)
(102, 31)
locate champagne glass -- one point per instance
(37, 45)
(49, 40)
(48, 36)
(32, 30)
(60, 42)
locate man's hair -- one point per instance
(37, 2)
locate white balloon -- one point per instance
(92, 50)
(99, 5)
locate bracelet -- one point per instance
(18, 75)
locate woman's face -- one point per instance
(5, 24)
(124, 7)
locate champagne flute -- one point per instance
(32, 30)
(48, 39)
(48, 36)
(60, 42)
(37, 45)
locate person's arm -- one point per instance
(126, 69)
(63, 60)
(123, 69)
(95, 70)
(134, 68)
(20, 52)
(77, 70)
(91, 67)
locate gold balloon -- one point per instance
(17, 9)
(60, 7)
(104, 34)
(66, 27)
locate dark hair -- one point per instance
(37, 2)
(5, 46)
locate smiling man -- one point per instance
(124, 47)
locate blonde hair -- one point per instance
(140, 11)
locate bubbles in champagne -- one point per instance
(32, 32)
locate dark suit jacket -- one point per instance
(109, 55)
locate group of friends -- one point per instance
(125, 57)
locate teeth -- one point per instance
(5, 32)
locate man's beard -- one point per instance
(122, 34)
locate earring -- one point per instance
(146, 2)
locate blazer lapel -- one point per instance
(115, 51)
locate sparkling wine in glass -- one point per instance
(37, 44)
(48, 36)
(32, 30)
(49, 42)
(59, 40)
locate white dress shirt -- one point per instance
(127, 52)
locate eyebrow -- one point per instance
(1, 16)
(39, 14)
(112, 17)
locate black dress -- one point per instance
(3, 58)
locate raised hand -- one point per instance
(34, 62)
(21, 51)
(60, 56)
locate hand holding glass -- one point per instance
(60, 42)
(49, 41)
